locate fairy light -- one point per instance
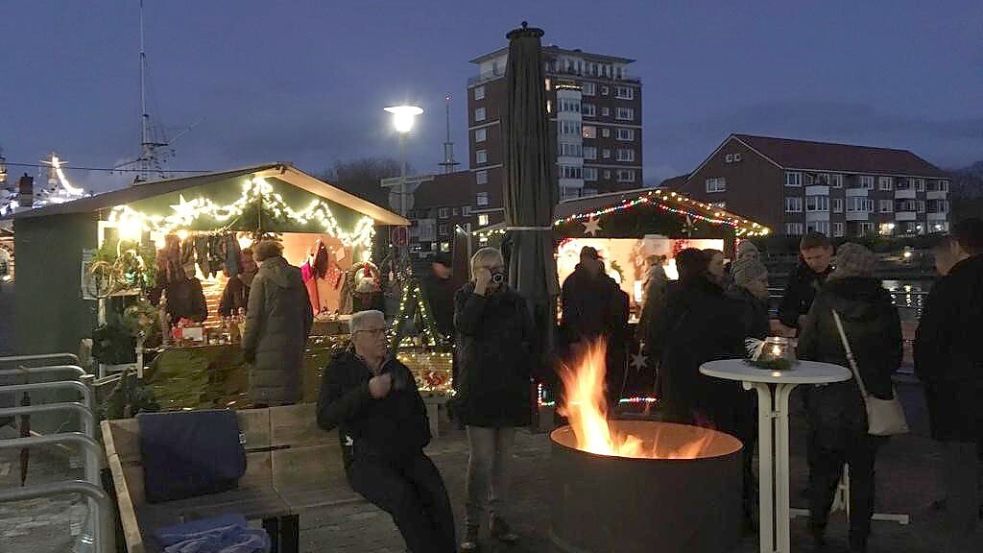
(254, 190)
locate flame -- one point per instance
(585, 407)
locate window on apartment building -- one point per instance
(589, 131)
(480, 135)
(444, 212)
(921, 206)
(442, 229)
(865, 229)
(885, 183)
(454, 212)
(904, 184)
(588, 110)
(837, 205)
(571, 172)
(479, 114)
(588, 89)
(571, 150)
(793, 229)
(793, 178)
(817, 203)
(938, 206)
(624, 114)
(481, 177)
(481, 156)
(465, 211)
(793, 204)
(607, 174)
(919, 185)
(855, 204)
(481, 199)
(590, 174)
(866, 181)
(605, 111)
(479, 92)
(624, 92)
(625, 154)
(570, 128)
(549, 84)
(606, 153)
(943, 185)
(625, 134)
(569, 106)
(839, 229)
(836, 180)
(732, 158)
(445, 247)
(549, 106)
(907, 205)
(716, 184)
(590, 152)
(605, 91)
(818, 226)
(626, 175)
(605, 132)
(887, 206)
(482, 219)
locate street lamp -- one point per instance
(403, 118)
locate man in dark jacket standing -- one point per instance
(438, 287)
(494, 348)
(278, 322)
(949, 361)
(836, 413)
(373, 400)
(810, 274)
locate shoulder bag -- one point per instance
(885, 417)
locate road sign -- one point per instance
(399, 236)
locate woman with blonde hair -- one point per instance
(494, 347)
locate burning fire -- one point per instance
(585, 407)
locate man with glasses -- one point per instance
(382, 423)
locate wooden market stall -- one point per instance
(82, 262)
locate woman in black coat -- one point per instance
(700, 324)
(836, 412)
(493, 394)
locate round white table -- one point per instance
(774, 389)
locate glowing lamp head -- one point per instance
(403, 117)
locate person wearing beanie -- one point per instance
(835, 412)
(747, 249)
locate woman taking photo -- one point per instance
(836, 412)
(494, 345)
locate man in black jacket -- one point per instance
(949, 361)
(383, 427)
(808, 277)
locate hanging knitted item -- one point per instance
(202, 245)
(232, 254)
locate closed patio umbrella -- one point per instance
(530, 191)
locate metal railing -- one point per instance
(76, 370)
(54, 385)
(85, 414)
(103, 511)
(39, 357)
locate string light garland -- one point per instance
(255, 191)
(543, 398)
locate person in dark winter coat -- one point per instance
(816, 254)
(236, 293)
(438, 287)
(382, 424)
(949, 361)
(836, 412)
(278, 322)
(751, 290)
(494, 349)
(700, 324)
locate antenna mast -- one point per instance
(448, 164)
(150, 158)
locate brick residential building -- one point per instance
(595, 110)
(795, 186)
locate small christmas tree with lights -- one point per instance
(418, 342)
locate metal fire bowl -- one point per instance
(647, 505)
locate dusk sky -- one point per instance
(306, 81)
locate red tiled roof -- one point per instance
(824, 156)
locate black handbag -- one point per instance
(190, 453)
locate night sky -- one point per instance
(306, 81)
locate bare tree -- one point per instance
(361, 177)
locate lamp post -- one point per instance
(403, 118)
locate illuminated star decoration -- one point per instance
(638, 361)
(688, 226)
(592, 226)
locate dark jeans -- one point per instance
(413, 492)
(825, 471)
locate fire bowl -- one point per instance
(651, 505)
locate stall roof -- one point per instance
(280, 170)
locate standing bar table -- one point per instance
(774, 389)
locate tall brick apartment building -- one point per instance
(795, 186)
(595, 109)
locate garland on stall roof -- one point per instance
(256, 192)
